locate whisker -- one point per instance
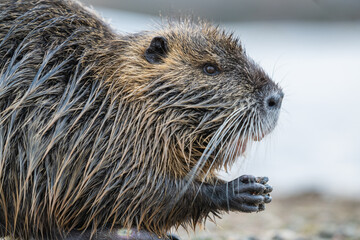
(211, 146)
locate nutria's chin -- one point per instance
(100, 130)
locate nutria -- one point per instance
(101, 131)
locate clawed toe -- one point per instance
(262, 180)
(268, 189)
(251, 199)
(247, 179)
(267, 198)
(261, 207)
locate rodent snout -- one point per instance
(274, 100)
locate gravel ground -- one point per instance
(305, 217)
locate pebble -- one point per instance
(327, 234)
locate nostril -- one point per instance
(272, 102)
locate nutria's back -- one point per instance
(100, 130)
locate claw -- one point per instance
(268, 189)
(261, 207)
(262, 180)
(267, 198)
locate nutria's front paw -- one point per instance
(246, 193)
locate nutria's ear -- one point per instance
(157, 50)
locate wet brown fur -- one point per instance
(94, 136)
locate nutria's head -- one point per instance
(204, 93)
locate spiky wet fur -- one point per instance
(93, 136)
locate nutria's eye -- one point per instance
(211, 69)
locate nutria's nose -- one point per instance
(273, 101)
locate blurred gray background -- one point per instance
(242, 10)
(312, 48)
